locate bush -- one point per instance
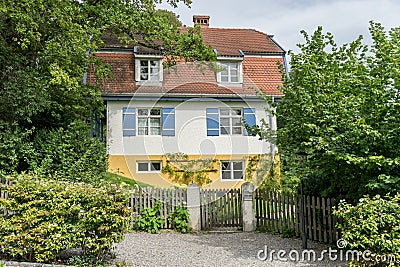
(15, 148)
(373, 224)
(149, 219)
(179, 220)
(47, 217)
(71, 153)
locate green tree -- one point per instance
(47, 46)
(340, 116)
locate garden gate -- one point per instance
(221, 208)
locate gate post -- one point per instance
(193, 205)
(248, 207)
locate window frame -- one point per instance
(230, 117)
(222, 62)
(232, 170)
(148, 127)
(158, 78)
(150, 75)
(149, 163)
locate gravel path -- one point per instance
(212, 249)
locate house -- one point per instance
(190, 117)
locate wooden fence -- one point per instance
(4, 194)
(279, 213)
(146, 197)
(220, 208)
(275, 212)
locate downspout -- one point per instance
(84, 82)
(284, 53)
(87, 53)
(85, 74)
(273, 146)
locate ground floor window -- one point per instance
(148, 166)
(232, 170)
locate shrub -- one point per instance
(179, 219)
(373, 224)
(46, 217)
(15, 148)
(149, 219)
(71, 153)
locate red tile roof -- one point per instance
(192, 78)
(263, 73)
(229, 42)
(260, 68)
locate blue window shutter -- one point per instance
(168, 122)
(249, 116)
(212, 121)
(129, 121)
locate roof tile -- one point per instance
(259, 72)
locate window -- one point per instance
(149, 166)
(230, 121)
(230, 72)
(149, 121)
(232, 170)
(149, 70)
(225, 121)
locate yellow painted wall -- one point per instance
(126, 166)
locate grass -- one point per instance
(118, 179)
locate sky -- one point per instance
(345, 19)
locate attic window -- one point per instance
(230, 72)
(148, 71)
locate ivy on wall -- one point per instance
(262, 172)
(182, 170)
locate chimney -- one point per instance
(204, 21)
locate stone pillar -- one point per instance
(249, 224)
(193, 205)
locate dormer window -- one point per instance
(230, 72)
(148, 70)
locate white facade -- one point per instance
(190, 130)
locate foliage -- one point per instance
(373, 224)
(46, 47)
(149, 219)
(84, 261)
(113, 178)
(288, 232)
(46, 217)
(260, 171)
(184, 171)
(69, 152)
(179, 219)
(339, 117)
(15, 148)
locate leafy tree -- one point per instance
(45, 49)
(340, 117)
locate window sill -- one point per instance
(227, 84)
(149, 83)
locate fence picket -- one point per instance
(274, 211)
(314, 218)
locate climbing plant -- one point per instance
(182, 170)
(262, 172)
